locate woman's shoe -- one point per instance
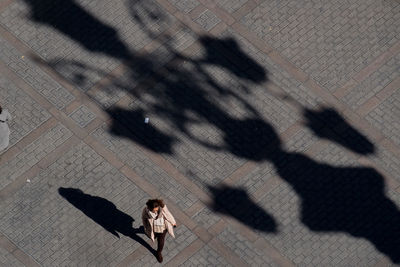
(159, 257)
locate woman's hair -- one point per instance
(154, 203)
(1, 109)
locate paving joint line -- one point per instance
(307, 81)
(133, 176)
(5, 3)
(42, 164)
(17, 252)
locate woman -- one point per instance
(157, 221)
(4, 130)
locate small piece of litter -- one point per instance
(22, 56)
(146, 120)
(28, 181)
(270, 28)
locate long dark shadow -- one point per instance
(235, 202)
(328, 124)
(227, 54)
(334, 199)
(71, 19)
(104, 213)
(130, 124)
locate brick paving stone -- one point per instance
(82, 116)
(305, 247)
(24, 120)
(33, 153)
(387, 161)
(25, 68)
(194, 161)
(276, 74)
(206, 257)
(264, 171)
(231, 6)
(43, 224)
(126, 84)
(257, 178)
(108, 96)
(386, 117)
(182, 39)
(244, 249)
(212, 166)
(206, 217)
(184, 237)
(373, 84)
(301, 141)
(185, 6)
(330, 41)
(130, 155)
(7, 259)
(82, 67)
(335, 155)
(207, 20)
(294, 240)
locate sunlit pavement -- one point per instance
(270, 128)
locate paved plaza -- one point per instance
(273, 131)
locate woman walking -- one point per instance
(157, 222)
(4, 130)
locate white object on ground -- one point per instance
(4, 130)
(146, 120)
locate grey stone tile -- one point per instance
(82, 116)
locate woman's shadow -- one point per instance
(105, 213)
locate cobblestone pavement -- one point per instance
(273, 133)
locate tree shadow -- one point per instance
(333, 199)
(104, 213)
(130, 124)
(71, 19)
(227, 54)
(236, 203)
(327, 123)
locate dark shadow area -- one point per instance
(227, 54)
(130, 124)
(179, 94)
(71, 19)
(104, 213)
(334, 199)
(235, 202)
(328, 124)
(343, 199)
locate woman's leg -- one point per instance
(160, 244)
(161, 241)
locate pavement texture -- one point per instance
(273, 132)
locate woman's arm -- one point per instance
(168, 216)
(144, 218)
